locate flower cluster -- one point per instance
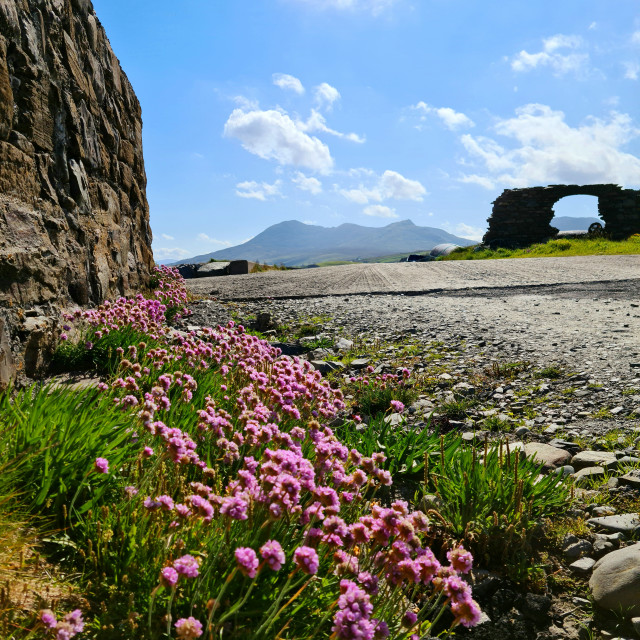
(71, 625)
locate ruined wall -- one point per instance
(74, 218)
(522, 216)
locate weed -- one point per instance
(551, 372)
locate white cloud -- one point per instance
(482, 181)
(167, 236)
(549, 151)
(451, 119)
(375, 7)
(391, 185)
(379, 211)
(550, 56)
(326, 95)
(316, 122)
(635, 37)
(246, 103)
(258, 190)
(467, 231)
(631, 70)
(361, 195)
(396, 186)
(204, 237)
(165, 253)
(273, 135)
(287, 82)
(305, 183)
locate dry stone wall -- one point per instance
(74, 217)
(522, 216)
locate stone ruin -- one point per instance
(74, 218)
(522, 217)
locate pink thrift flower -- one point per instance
(147, 452)
(461, 559)
(306, 560)
(397, 405)
(101, 465)
(467, 612)
(272, 552)
(247, 561)
(188, 628)
(187, 565)
(48, 618)
(169, 577)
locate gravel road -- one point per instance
(419, 278)
(583, 312)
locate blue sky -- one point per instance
(373, 111)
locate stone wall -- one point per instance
(522, 216)
(74, 217)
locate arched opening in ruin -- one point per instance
(575, 213)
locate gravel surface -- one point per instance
(580, 311)
(422, 277)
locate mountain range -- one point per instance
(294, 243)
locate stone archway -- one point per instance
(521, 216)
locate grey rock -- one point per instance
(591, 458)
(212, 269)
(359, 363)
(615, 582)
(583, 566)
(623, 523)
(565, 470)
(587, 475)
(578, 549)
(631, 479)
(550, 457)
(325, 367)
(343, 344)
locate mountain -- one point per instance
(569, 223)
(294, 243)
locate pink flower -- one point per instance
(147, 452)
(306, 560)
(467, 612)
(48, 618)
(101, 465)
(272, 552)
(461, 559)
(187, 565)
(169, 577)
(187, 628)
(397, 405)
(247, 561)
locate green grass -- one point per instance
(553, 248)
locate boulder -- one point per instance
(550, 457)
(615, 581)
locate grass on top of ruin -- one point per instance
(587, 246)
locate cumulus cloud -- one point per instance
(287, 82)
(306, 183)
(326, 95)
(375, 7)
(450, 118)
(316, 123)
(546, 149)
(379, 211)
(258, 190)
(558, 53)
(273, 135)
(391, 185)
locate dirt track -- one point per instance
(465, 277)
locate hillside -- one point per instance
(294, 243)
